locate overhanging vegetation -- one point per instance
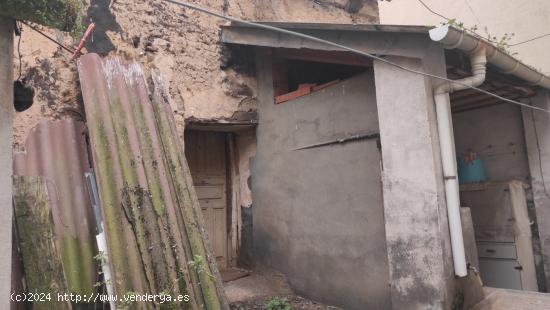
(64, 15)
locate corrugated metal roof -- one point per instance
(153, 222)
(57, 151)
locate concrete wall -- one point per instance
(415, 218)
(6, 123)
(421, 270)
(496, 134)
(537, 133)
(317, 214)
(525, 18)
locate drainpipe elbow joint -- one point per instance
(443, 88)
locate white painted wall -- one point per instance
(525, 18)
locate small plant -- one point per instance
(198, 265)
(101, 257)
(501, 43)
(460, 25)
(278, 303)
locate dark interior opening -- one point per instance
(293, 78)
(300, 72)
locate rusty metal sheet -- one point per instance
(56, 151)
(153, 223)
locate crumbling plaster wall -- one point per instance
(205, 81)
(49, 71)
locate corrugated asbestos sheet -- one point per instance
(36, 232)
(153, 223)
(56, 151)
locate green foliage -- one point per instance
(199, 266)
(277, 303)
(101, 257)
(501, 43)
(460, 25)
(65, 15)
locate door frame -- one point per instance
(233, 185)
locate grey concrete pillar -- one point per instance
(6, 114)
(416, 224)
(537, 140)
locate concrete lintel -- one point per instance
(537, 134)
(416, 225)
(6, 138)
(411, 44)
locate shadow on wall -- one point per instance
(104, 19)
(246, 250)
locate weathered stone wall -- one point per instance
(205, 80)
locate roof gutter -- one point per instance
(452, 38)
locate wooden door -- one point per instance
(206, 155)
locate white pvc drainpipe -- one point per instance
(448, 155)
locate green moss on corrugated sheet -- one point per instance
(41, 258)
(64, 15)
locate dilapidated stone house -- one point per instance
(339, 170)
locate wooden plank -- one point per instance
(41, 259)
(303, 89)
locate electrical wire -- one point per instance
(488, 39)
(432, 11)
(49, 38)
(530, 40)
(473, 12)
(353, 50)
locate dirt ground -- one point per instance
(256, 290)
(296, 302)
